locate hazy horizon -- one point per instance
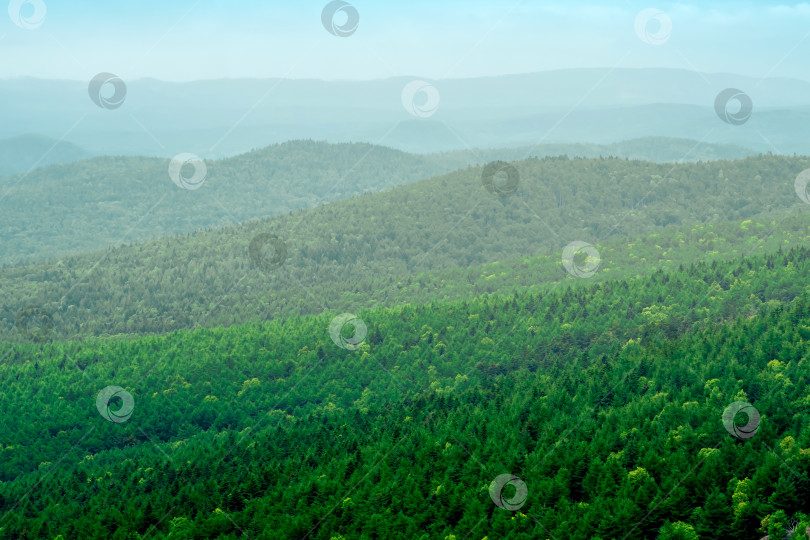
(188, 41)
(414, 76)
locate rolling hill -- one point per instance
(417, 240)
(435, 271)
(104, 201)
(607, 405)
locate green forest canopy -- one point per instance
(605, 400)
(105, 201)
(445, 237)
(482, 357)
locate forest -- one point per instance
(412, 244)
(107, 201)
(356, 370)
(607, 401)
(374, 271)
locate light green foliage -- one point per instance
(614, 423)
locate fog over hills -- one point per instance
(217, 118)
(27, 152)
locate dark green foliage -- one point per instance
(268, 430)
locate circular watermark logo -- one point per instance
(267, 251)
(653, 26)
(727, 112)
(332, 14)
(34, 323)
(106, 396)
(420, 98)
(751, 426)
(500, 178)
(592, 259)
(98, 90)
(197, 177)
(497, 487)
(338, 328)
(27, 14)
(800, 185)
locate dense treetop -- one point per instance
(607, 401)
(197, 386)
(446, 237)
(105, 201)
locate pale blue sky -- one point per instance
(187, 40)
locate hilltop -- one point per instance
(388, 246)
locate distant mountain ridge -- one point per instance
(26, 152)
(103, 201)
(217, 118)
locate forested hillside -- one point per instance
(106, 201)
(349, 270)
(657, 149)
(607, 402)
(418, 242)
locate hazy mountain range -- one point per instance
(219, 118)
(27, 152)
